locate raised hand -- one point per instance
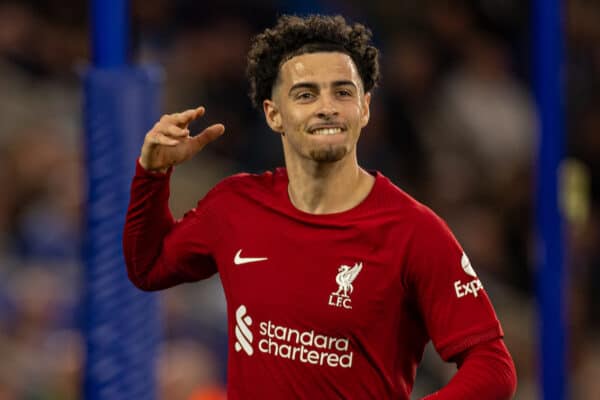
(169, 143)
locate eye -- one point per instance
(304, 96)
(344, 93)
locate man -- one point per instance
(335, 279)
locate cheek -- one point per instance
(294, 120)
(355, 113)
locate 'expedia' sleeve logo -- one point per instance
(473, 287)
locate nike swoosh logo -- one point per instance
(239, 260)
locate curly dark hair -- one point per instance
(294, 35)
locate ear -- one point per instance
(272, 115)
(365, 112)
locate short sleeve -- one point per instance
(451, 299)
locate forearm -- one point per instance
(147, 223)
(485, 372)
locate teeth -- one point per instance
(327, 131)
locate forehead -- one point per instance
(321, 67)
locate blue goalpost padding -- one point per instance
(551, 282)
(121, 324)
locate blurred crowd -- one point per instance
(453, 123)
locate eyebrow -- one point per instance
(314, 86)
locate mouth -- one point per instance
(326, 131)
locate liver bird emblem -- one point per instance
(345, 277)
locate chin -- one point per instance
(331, 154)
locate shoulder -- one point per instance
(242, 186)
(246, 182)
(424, 228)
(393, 198)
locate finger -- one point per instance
(207, 136)
(170, 130)
(163, 140)
(184, 118)
(177, 132)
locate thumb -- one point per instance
(207, 136)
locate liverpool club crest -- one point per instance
(346, 275)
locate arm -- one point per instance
(458, 316)
(486, 371)
(157, 249)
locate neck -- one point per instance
(325, 188)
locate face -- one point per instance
(319, 106)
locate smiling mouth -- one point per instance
(326, 131)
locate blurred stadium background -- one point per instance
(453, 123)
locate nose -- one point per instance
(327, 107)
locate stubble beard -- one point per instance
(329, 154)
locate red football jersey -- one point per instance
(319, 306)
